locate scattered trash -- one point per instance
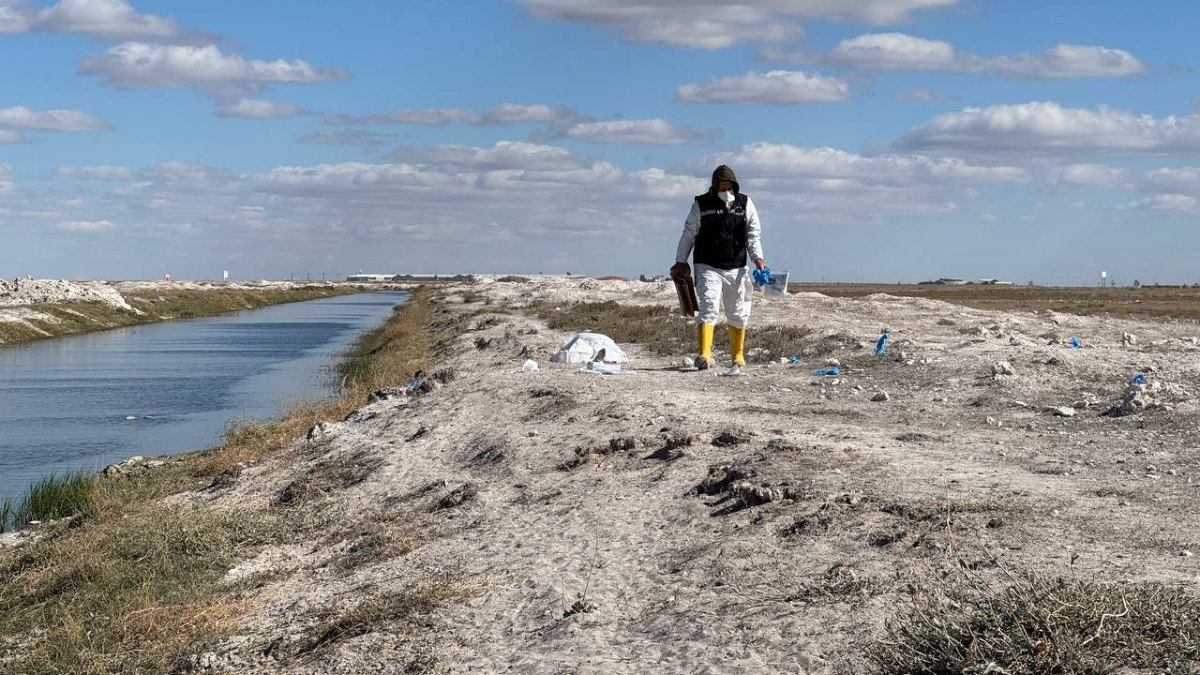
(778, 284)
(604, 368)
(1075, 343)
(827, 372)
(735, 371)
(583, 348)
(417, 382)
(530, 366)
(794, 360)
(1128, 340)
(881, 346)
(1060, 411)
(689, 362)
(1140, 378)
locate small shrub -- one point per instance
(58, 496)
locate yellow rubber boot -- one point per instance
(706, 339)
(737, 345)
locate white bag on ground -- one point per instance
(583, 347)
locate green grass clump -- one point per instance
(55, 496)
(1038, 626)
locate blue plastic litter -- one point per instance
(1075, 343)
(881, 346)
(827, 372)
(762, 277)
(414, 384)
(1140, 378)
(793, 360)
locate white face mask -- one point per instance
(725, 196)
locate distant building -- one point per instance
(360, 277)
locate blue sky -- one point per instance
(897, 140)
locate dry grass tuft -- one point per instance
(1032, 625)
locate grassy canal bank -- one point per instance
(29, 323)
(127, 574)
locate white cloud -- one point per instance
(898, 51)
(23, 119)
(1068, 61)
(86, 225)
(782, 160)
(136, 65)
(1049, 128)
(651, 131)
(504, 155)
(13, 20)
(515, 113)
(774, 87)
(355, 137)
(423, 116)
(924, 95)
(100, 172)
(7, 186)
(715, 24)
(11, 137)
(1091, 176)
(109, 19)
(259, 109)
(1175, 203)
(1186, 179)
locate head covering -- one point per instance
(725, 173)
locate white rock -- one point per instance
(1002, 368)
(1062, 411)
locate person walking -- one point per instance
(722, 234)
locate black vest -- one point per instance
(721, 242)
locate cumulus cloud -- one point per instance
(898, 51)
(259, 109)
(11, 137)
(105, 172)
(353, 137)
(1091, 176)
(715, 24)
(540, 113)
(780, 87)
(1174, 203)
(651, 131)
(1049, 128)
(103, 19)
(7, 186)
(140, 65)
(86, 225)
(782, 160)
(423, 116)
(503, 156)
(556, 122)
(1185, 179)
(24, 119)
(924, 95)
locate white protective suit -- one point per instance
(716, 286)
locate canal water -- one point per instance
(87, 401)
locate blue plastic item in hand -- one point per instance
(827, 372)
(1075, 343)
(1140, 378)
(762, 277)
(881, 346)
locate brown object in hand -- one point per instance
(686, 289)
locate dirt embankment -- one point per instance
(36, 309)
(494, 520)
